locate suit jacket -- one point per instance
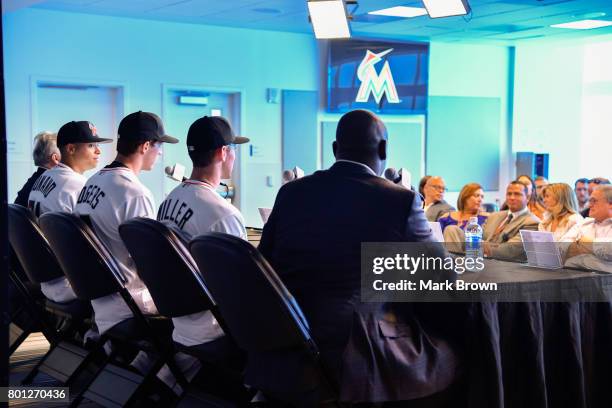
(24, 193)
(313, 240)
(508, 244)
(437, 210)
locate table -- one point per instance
(521, 283)
(540, 354)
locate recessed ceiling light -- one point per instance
(401, 11)
(329, 19)
(446, 8)
(584, 24)
(265, 10)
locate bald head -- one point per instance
(361, 136)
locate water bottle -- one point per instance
(473, 240)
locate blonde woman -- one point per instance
(561, 210)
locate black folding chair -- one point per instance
(25, 306)
(93, 273)
(176, 286)
(264, 319)
(65, 359)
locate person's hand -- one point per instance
(487, 247)
(578, 248)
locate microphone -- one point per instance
(288, 175)
(392, 175)
(176, 172)
(401, 177)
(294, 174)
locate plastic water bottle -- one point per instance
(473, 239)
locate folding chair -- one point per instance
(264, 319)
(176, 286)
(65, 359)
(25, 306)
(93, 273)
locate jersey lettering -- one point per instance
(171, 210)
(45, 185)
(91, 195)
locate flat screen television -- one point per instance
(382, 76)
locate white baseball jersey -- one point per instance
(191, 209)
(110, 197)
(56, 190)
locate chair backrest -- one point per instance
(259, 311)
(91, 270)
(490, 207)
(166, 268)
(31, 246)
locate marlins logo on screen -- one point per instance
(373, 82)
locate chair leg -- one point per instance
(20, 338)
(34, 372)
(79, 397)
(148, 377)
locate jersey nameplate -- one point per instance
(171, 210)
(45, 185)
(91, 195)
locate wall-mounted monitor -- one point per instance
(383, 76)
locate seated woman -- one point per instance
(561, 210)
(468, 205)
(534, 205)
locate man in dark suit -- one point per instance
(46, 155)
(313, 240)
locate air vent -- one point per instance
(538, 2)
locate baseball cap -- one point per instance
(79, 132)
(211, 132)
(144, 126)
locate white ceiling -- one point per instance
(493, 21)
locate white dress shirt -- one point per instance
(601, 234)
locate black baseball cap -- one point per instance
(79, 132)
(210, 133)
(144, 126)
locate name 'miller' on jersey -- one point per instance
(175, 211)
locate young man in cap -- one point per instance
(57, 189)
(114, 195)
(194, 208)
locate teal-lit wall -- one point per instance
(563, 105)
(143, 55)
(480, 73)
(549, 96)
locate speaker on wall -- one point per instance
(532, 164)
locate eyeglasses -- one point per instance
(441, 189)
(598, 181)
